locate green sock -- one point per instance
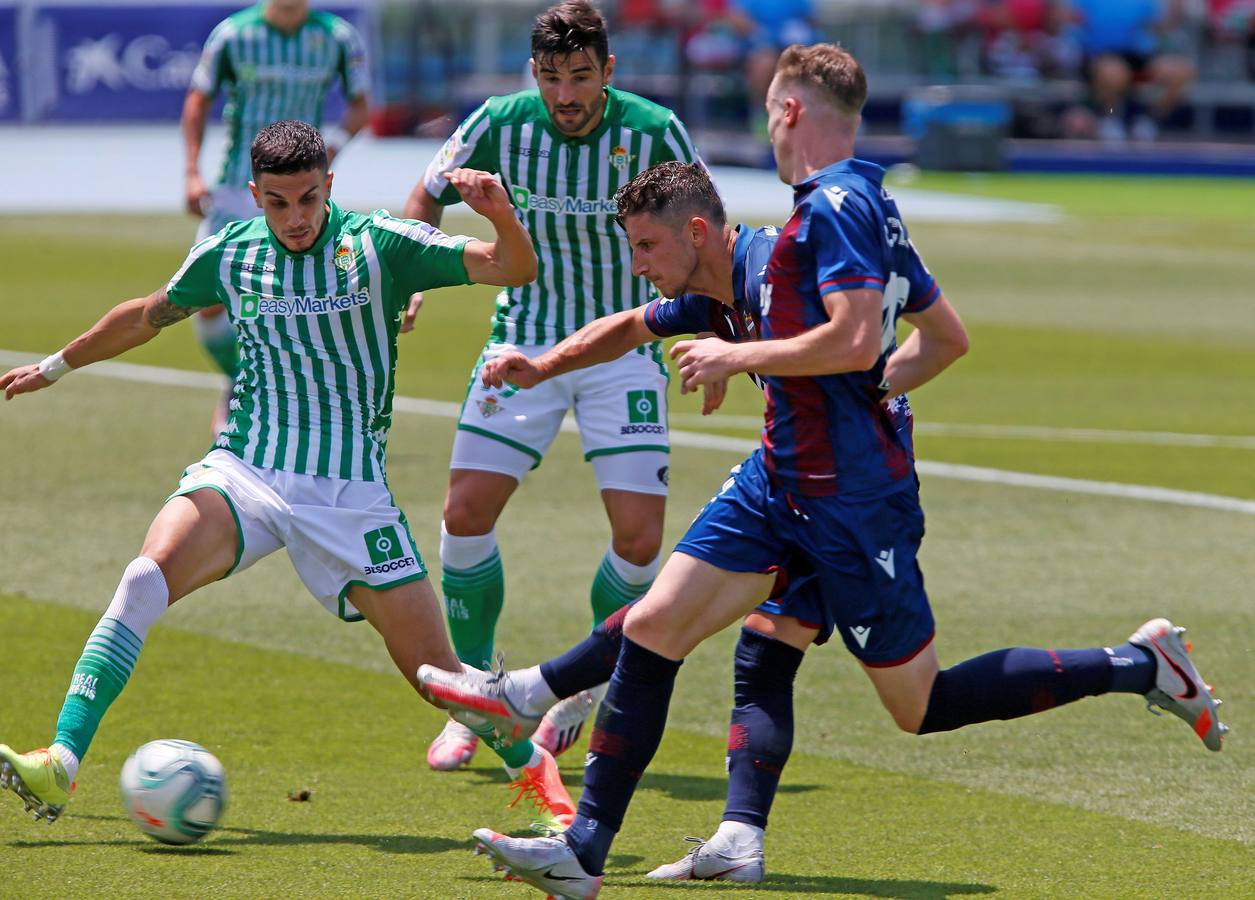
(226, 355)
(101, 673)
(473, 599)
(611, 591)
(516, 755)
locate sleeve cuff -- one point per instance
(851, 283)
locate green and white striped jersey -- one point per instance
(271, 75)
(317, 333)
(564, 189)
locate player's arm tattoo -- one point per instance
(162, 312)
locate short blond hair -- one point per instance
(831, 71)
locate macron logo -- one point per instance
(836, 197)
(861, 634)
(884, 559)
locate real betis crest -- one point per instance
(489, 407)
(619, 156)
(344, 258)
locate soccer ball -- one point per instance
(174, 791)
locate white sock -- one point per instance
(68, 759)
(740, 837)
(515, 773)
(213, 329)
(630, 572)
(530, 692)
(465, 551)
(142, 596)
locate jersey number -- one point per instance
(897, 291)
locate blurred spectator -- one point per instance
(1027, 40)
(1233, 22)
(1120, 40)
(753, 33)
(946, 29)
(642, 38)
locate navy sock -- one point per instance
(760, 737)
(1132, 669)
(1007, 684)
(590, 662)
(629, 727)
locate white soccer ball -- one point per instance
(174, 791)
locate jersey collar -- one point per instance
(852, 166)
(740, 253)
(329, 228)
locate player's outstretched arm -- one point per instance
(356, 116)
(848, 342)
(508, 261)
(938, 340)
(196, 106)
(599, 341)
(125, 326)
(421, 205)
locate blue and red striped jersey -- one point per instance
(834, 434)
(695, 313)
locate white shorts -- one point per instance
(620, 411)
(338, 533)
(226, 204)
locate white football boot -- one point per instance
(1178, 687)
(453, 748)
(491, 695)
(561, 726)
(715, 860)
(547, 863)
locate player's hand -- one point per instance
(704, 362)
(513, 367)
(482, 192)
(713, 394)
(411, 312)
(22, 380)
(196, 196)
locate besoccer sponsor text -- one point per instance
(642, 410)
(387, 552)
(395, 565)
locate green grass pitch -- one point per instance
(1132, 314)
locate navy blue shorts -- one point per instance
(796, 593)
(860, 556)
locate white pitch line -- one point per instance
(444, 409)
(1015, 432)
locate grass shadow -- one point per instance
(820, 885)
(697, 788)
(701, 788)
(225, 839)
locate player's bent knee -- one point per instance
(657, 629)
(142, 596)
(475, 501)
(639, 549)
(908, 722)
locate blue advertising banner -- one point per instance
(10, 74)
(120, 61)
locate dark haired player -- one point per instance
(316, 295)
(561, 150)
